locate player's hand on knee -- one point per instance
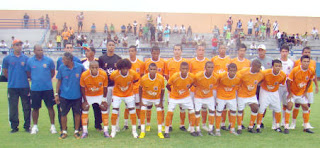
(104, 106)
(57, 99)
(290, 95)
(85, 106)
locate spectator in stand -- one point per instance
(116, 40)
(109, 38)
(93, 28)
(196, 40)
(50, 44)
(160, 39)
(47, 21)
(91, 44)
(239, 26)
(263, 31)
(54, 28)
(26, 47)
(112, 29)
(189, 32)
(314, 33)
(65, 36)
(184, 40)
(140, 32)
(137, 43)
(58, 41)
(145, 32)
(182, 29)
(159, 29)
(279, 38)
(79, 40)
(230, 23)
(125, 40)
(2, 46)
(228, 36)
(80, 19)
(203, 41)
(216, 31)
(275, 28)
(169, 28)
(166, 36)
(159, 20)
(41, 20)
(64, 26)
(298, 39)
(190, 41)
(256, 28)
(175, 29)
(153, 32)
(106, 30)
(304, 39)
(225, 28)
(135, 24)
(214, 43)
(268, 25)
(129, 28)
(123, 29)
(250, 28)
(253, 48)
(103, 43)
(26, 20)
(72, 36)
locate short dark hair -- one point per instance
(68, 55)
(135, 47)
(124, 63)
(178, 45)
(306, 48)
(152, 65)
(254, 62)
(110, 41)
(69, 43)
(286, 47)
(155, 48)
(93, 49)
(276, 61)
(232, 65)
(304, 57)
(184, 64)
(242, 46)
(197, 46)
(208, 62)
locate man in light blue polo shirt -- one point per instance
(18, 86)
(41, 70)
(70, 96)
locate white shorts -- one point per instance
(310, 97)
(150, 102)
(270, 99)
(136, 98)
(210, 103)
(230, 104)
(298, 99)
(109, 94)
(184, 103)
(166, 39)
(242, 102)
(116, 101)
(283, 94)
(94, 99)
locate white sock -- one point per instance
(210, 127)
(105, 128)
(85, 128)
(166, 129)
(159, 128)
(134, 128)
(35, 126)
(198, 128)
(143, 128)
(76, 131)
(52, 125)
(139, 122)
(126, 122)
(64, 131)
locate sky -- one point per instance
(255, 7)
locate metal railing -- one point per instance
(24, 24)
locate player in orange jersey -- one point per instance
(173, 66)
(298, 84)
(151, 91)
(250, 78)
(179, 85)
(221, 63)
(241, 61)
(123, 78)
(305, 51)
(204, 82)
(137, 66)
(94, 87)
(269, 95)
(226, 96)
(197, 64)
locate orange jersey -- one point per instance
(197, 66)
(137, 66)
(241, 64)
(299, 79)
(151, 89)
(179, 86)
(312, 64)
(220, 64)
(271, 82)
(161, 64)
(173, 66)
(227, 87)
(65, 35)
(123, 85)
(204, 85)
(94, 84)
(249, 83)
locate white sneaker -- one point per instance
(189, 129)
(273, 126)
(292, 126)
(309, 126)
(135, 134)
(113, 134)
(53, 130)
(205, 128)
(34, 130)
(117, 129)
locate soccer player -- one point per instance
(68, 93)
(269, 95)
(173, 66)
(123, 79)
(287, 66)
(179, 85)
(94, 87)
(18, 86)
(298, 84)
(137, 66)
(305, 51)
(90, 52)
(240, 60)
(221, 63)
(197, 64)
(250, 77)
(204, 82)
(41, 70)
(151, 91)
(161, 65)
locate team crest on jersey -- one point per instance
(159, 69)
(188, 85)
(211, 86)
(138, 70)
(276, 83)
(115, 64)
(155, 88)
(289, 68)
(100, 83)
(307, 78)
(77, 75)
(44, 65)
(106, 65)
(256, 82)
(22, 63)
(128, 83)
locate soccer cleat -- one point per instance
(106, 134)
(99, 129)
(224, 128)
(261, 125)
(239, 132)
(34, 130)
(170, 129)
(27, 130)
(14, 130)
(292, 126)
(163, 128)
(148, 128)
(77, 135)
(309, 126)
(183, 128)
(126, 127)
(229, 127)
(160, 135)
(166, 135)
(189, 129)
(273, 126)
(211, 133)
(142, 134)
(199, 134)
(84, 135)
(243, 127)
(205, 128)
(194, 134)
(234, 133)
(286, 131)
(53, 130)
(278, 130)
(218, 133)
(308, 131)
(135, 134)
(63, 136)
(258, 130)
(139, 127)
(113, 134)
(250, 130)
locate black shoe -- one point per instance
(170, 129)
(199, 134)
(229, 127)
(250, 130)
(166, 135)
(14, 130)
(194, 134)
(239, 132)
(258, 130)
(99, 129)
(139, 127)
(308, 131)
(262, 125)
(243, 127)
(183, 128)
(286, 131)
(210, 133)
(224, 128)
(254, 125)
(126, 127)
(278, 130)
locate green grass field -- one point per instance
(268, 138)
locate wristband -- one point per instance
(56, 94)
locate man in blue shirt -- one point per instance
(69, 95)
(41, 70)
(18, 86)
